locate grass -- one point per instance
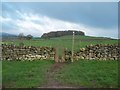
(18, 74)
(85, 73)
(81, 73)
(66, 42)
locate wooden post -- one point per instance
(72, 48)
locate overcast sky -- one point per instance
(95, 19)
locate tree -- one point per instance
(28, 37)
(21, 36)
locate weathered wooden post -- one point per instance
(72, 47)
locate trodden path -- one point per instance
(50, 77)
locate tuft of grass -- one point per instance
(90, 73)
(25, 74)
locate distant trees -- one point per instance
(21, 36)
(28, 37)
(61, 33)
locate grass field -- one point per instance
(18, 74)
(79, 73)
(66, 41)
(90, 74)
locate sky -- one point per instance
(94, 18)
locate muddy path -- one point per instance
(52, 82)
(50, 76)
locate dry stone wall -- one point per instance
(92, 52)
(96, 52)
(12, 52)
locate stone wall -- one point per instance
(92, 52)
(12, 52)
(96, 52)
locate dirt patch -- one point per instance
(50, 76)
(52, 82)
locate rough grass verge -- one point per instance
(86, 73)
(18, 74)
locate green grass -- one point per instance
(81, 73)
(24, 74)
(66, 42)
(85, 73)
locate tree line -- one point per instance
(22, 36)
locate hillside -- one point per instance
(7, 36)
(4, 35)
(101, 73)
(61, 33)
(65, 41)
